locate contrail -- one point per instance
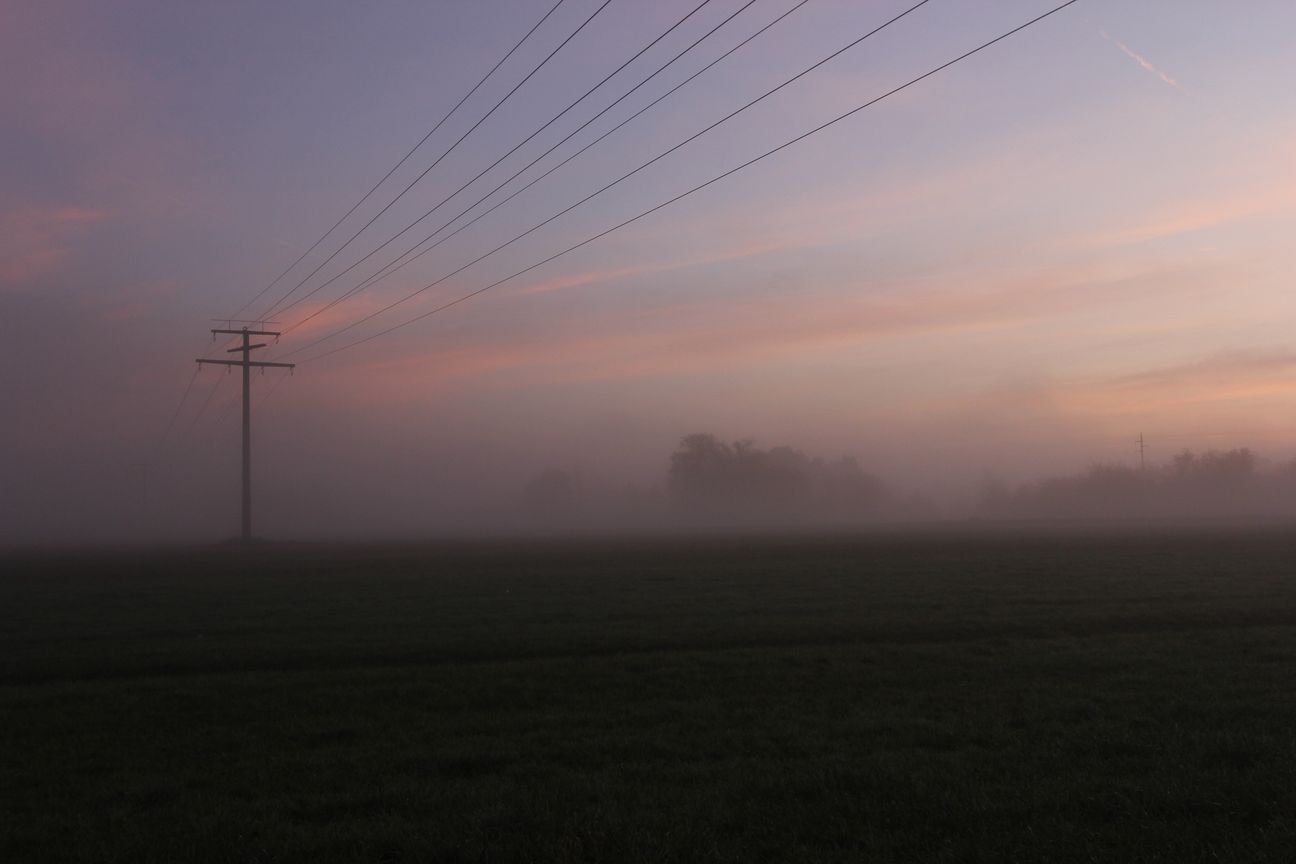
(1139, 59)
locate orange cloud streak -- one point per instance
(1216, 382)
(710, 336)
(593, 277)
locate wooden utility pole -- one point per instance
(247, 363)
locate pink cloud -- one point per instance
(314, 318)
(108, 115)
(132, 302)
(712, 335)
(1248, 388)
(35, 242)
(1191, 215)
(593, 277)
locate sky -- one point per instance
(1011, 268)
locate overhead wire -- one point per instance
(403, 159)
(202, 408)
(438, 159)
(227, 412)
(161, 455)
(272, 388)
(397, 264)
(852, 44)
(693, 190)
(278, 310)
(179, 406)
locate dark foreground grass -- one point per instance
(918, 698)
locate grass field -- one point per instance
(915, 697)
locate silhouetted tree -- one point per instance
(740, 477)
(703, 470)
(848, 487)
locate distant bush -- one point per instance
(710, 475)
(1213, 484)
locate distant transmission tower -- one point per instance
(247, 363)
(1142, 454)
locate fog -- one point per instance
(100, 449)
(329, 472)
(965, 303)
(95, 450)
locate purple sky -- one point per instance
(1016, 266)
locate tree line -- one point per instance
(1216, 483)
(709, 479)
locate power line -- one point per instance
(625, 176)
(388, 269)
(491, 166)
(233, 404)
(273, 387)
(697, 188)
(375, 276)
(202, 409)
(179, 405)
(380, 275)
(164, 456)
(403, 159)
(437, 161)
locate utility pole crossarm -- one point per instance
(248, 332)
(247, 363)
